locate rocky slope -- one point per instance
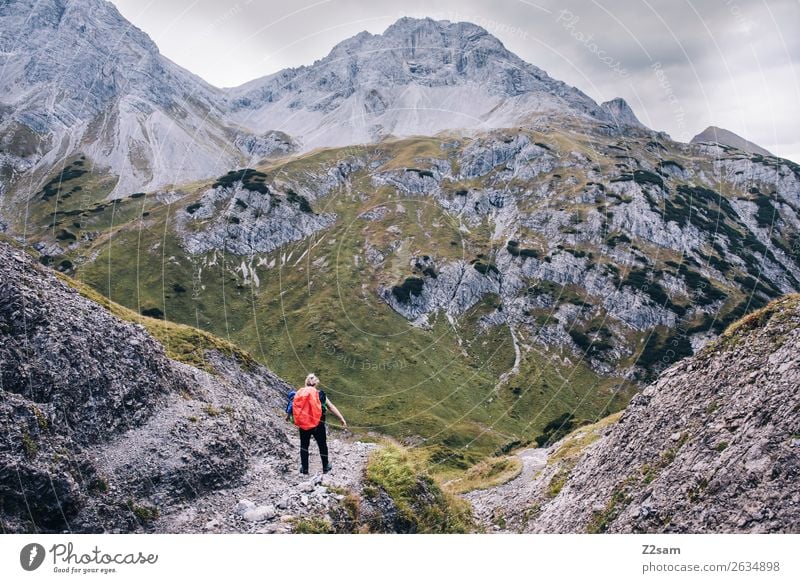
(102, 431)
(78, 383)
(711, 446)
(79, 80)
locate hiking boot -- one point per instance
(327, 468)
(304, 471)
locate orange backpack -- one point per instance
(307, 408)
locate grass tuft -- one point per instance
(403, 474)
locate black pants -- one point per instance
(322, 442)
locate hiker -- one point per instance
(307, 407)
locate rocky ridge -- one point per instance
(686, 249)
(711, 446)
(420, 77)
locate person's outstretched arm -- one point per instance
(335, 411)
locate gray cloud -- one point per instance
(681, 64)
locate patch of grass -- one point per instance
(619, 499)
(531, 512)
(144, 513)
(211, 410)
(311, 526)
(29, 445)
(488, 473)
(575, 443)
(759, 318)
(403, 475)
(695, 492)
(557, 482)
(98, 486)
(41, 420)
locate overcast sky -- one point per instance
(682, 65)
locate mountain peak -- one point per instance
(408, 24)
(728, 138)
(420, 76)
(621, 112)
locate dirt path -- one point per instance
(490, 506)
(273, 493)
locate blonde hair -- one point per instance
(312, 380)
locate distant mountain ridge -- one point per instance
(419, 77)
(77, 79)
(715, 135)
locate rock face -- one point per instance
(622, 113)
(79, 364)
(715, 135)
(419, 77)
(545, 232)
(711, 446)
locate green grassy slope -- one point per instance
(316, 309)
